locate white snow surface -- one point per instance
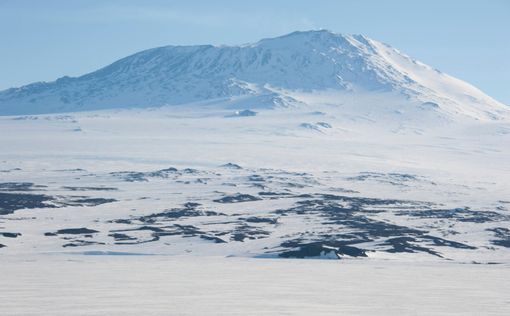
(162, 285)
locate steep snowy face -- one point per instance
(301, 61)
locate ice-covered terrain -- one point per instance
(310, 145)
(287, 182)
(64, 285)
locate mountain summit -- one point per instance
(305, 62)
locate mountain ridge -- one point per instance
(300, 61)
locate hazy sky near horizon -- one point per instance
(45, 40)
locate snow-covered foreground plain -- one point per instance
(168, 285)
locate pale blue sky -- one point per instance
(44, 40)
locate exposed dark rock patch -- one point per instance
(130, 176)
(191, 205)
(342, 190)
(255, 178)
(81, 243)
(163, 173)
(20, 186)
(188, 210)
(273, 195)
(10, 170)
(244, 231)
(86, 201)
(151, 228)
(175, 214)
(190, 171)
(10, 235)
(398, 179)
(293, 185)
(405, 244)
(237, 198)
(213, 238)
(153, 222)
(254, 219)
(503, 234)
(352, 216)
(120, 221)
(349, 213)
(137, 176)
(158, 232)
(231, 166)
(73, 231)
(71, 170)
(187, 230)
(10, 202)
(320, 249)
(72, 188)
(121, 237)
(437, 241)
(458, 214)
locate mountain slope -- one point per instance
(301, 61)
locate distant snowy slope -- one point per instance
(310, 62)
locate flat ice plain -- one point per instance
(172, 285)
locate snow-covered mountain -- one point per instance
(269, 73)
